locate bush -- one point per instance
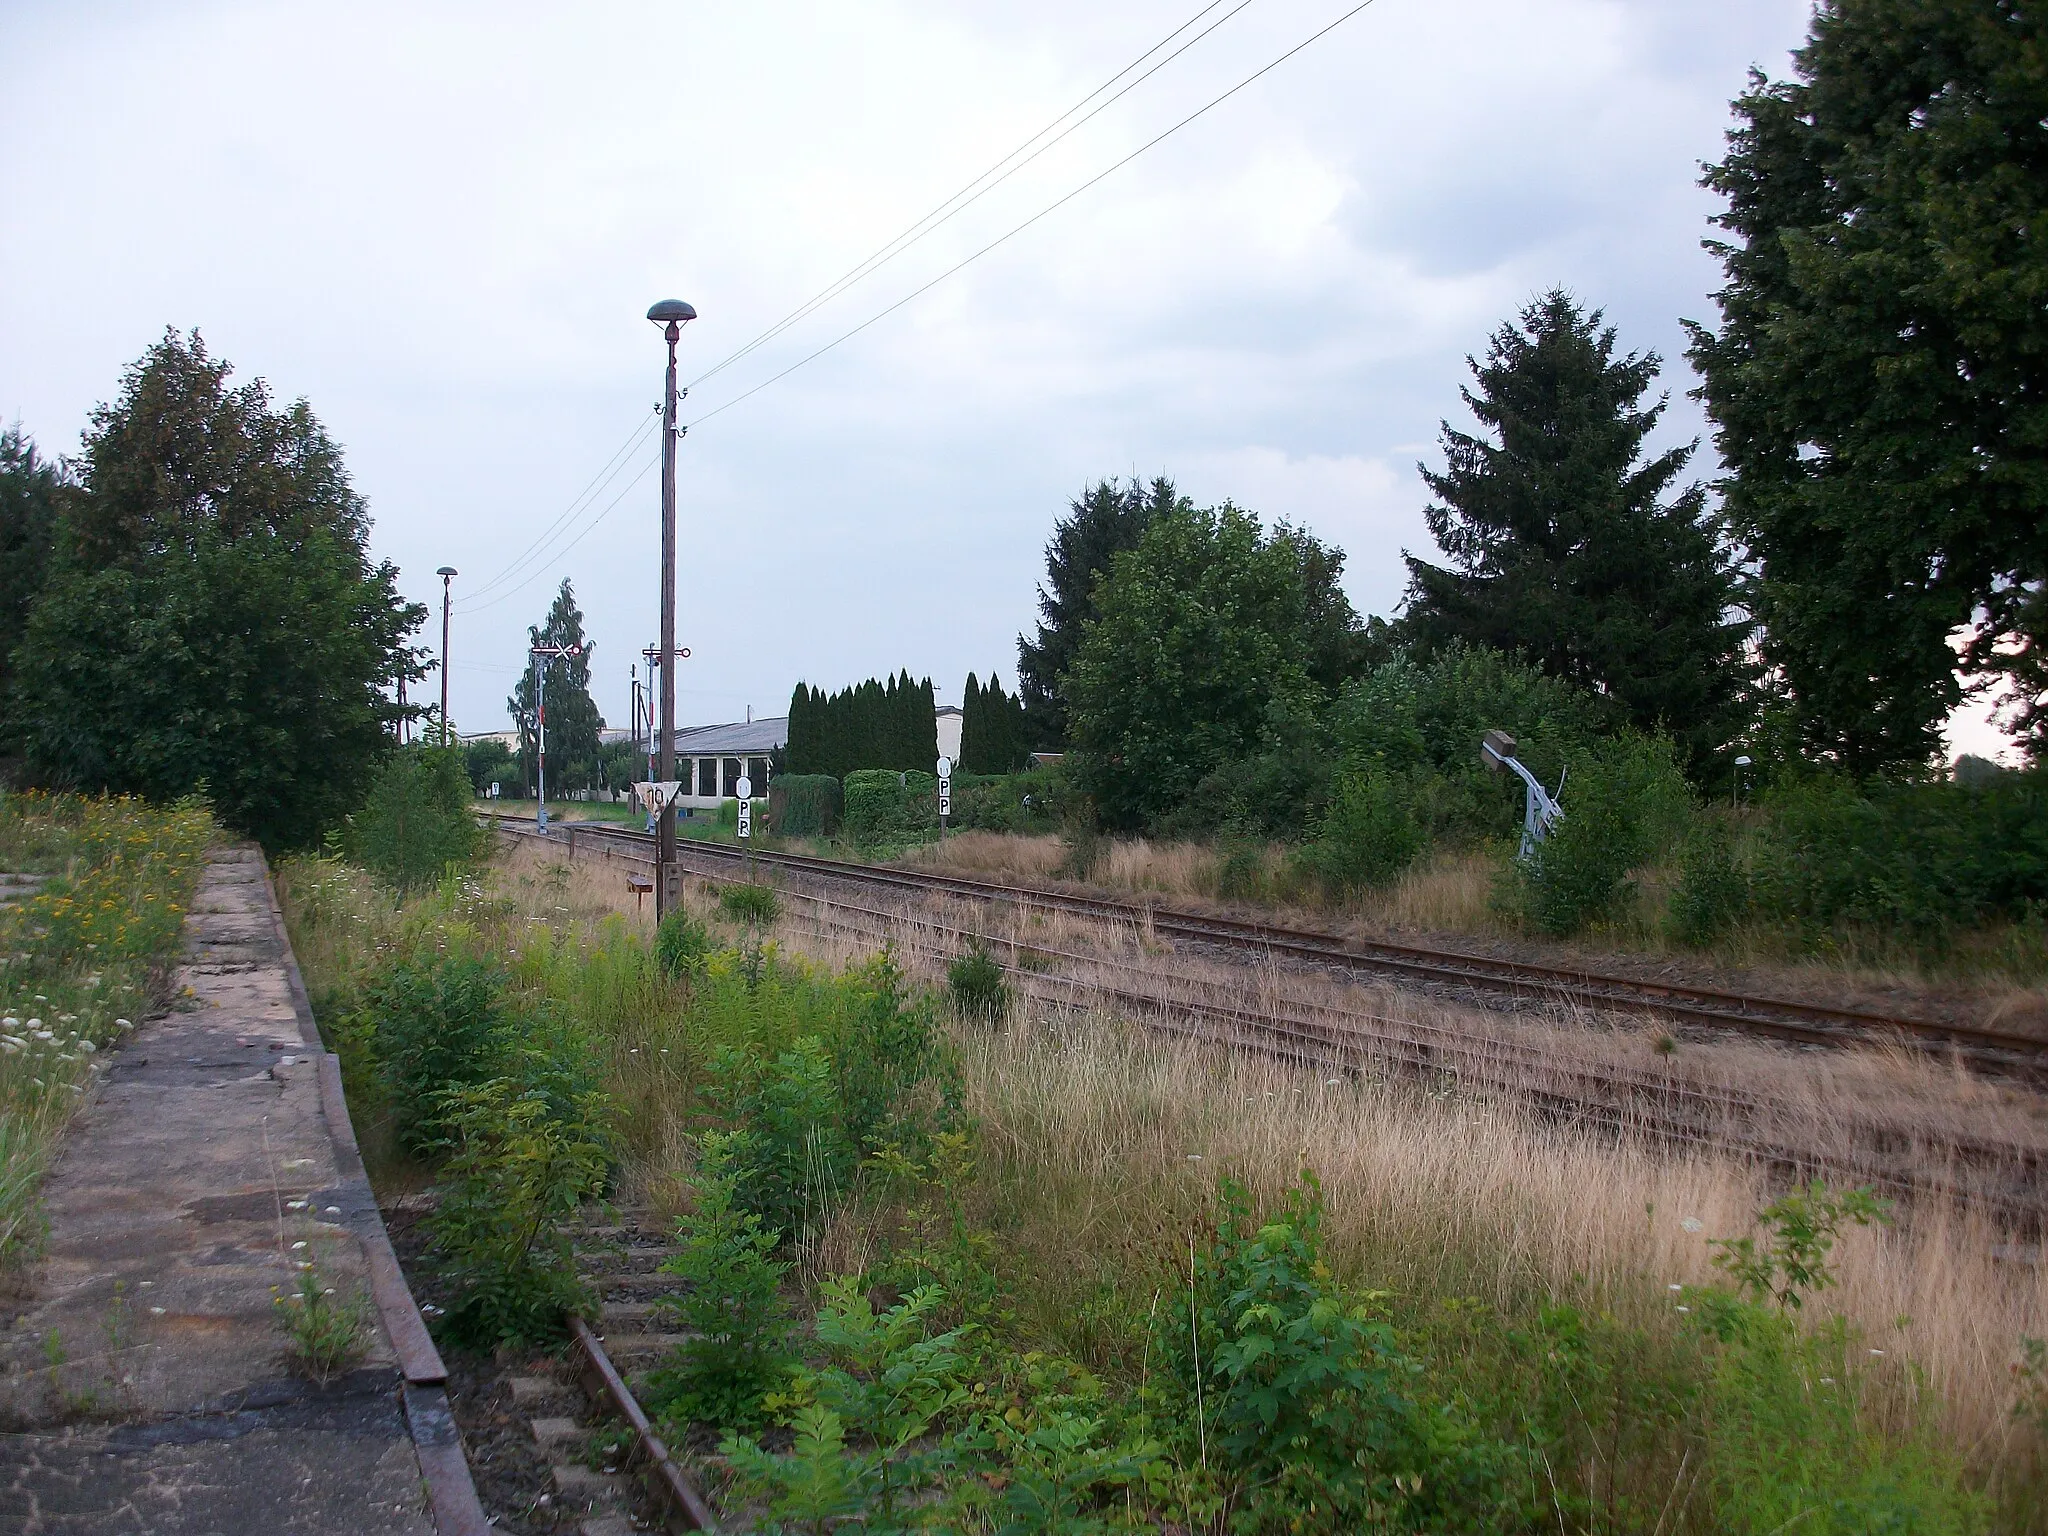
(756, 904)
(515, 1172)
(804, 805)
(975, 980)
(1924, 858)
(1624, 802)
(681, 945)
(731, 1303)
(1367, 836)
(877, 807)
(1712, 893)
(433, 1025)
(418, 819)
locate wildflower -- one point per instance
(1692, 1223)
(297, 1246)
(1674, 1287)
(1194, 1157)
(1685, 1309)
(1877, 1351)
(295, 1205)
(156, 1311)
(87, 1046)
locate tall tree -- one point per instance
(1108, 517)
(1564, 542)
(992, 728)
(1203, 631)
(30, 486)
(212, 618)
(573, 723)
(1879, 381)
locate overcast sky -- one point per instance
(442, 225)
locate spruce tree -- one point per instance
(971, 727)
(1110, 516)
(30, 487)
(1562, 545)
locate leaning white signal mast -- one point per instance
(1540, 809)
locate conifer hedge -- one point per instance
(804, 805)
(993, 736)
(870, 725)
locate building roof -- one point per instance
(738, 738)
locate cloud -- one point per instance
(444, 225)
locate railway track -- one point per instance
(2000, 1178)
(1780, 1018)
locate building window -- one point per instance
(732, 774)
(707, 778)
(757, 770)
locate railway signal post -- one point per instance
(671, 315)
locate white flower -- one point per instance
(1685, 1309)
(1674, 1287)
(87, 1046)
(1194, 1157)
(1877, 1351)
(297, 1246)
(43, 1034)
(1692, 1223)
(156, 1311)
(122, 1024)
(35, 1023)
(333, 1210)
(295, 1205)
(10, 1022)
(10, 1046)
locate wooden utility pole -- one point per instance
(671, 315)
(446, 573)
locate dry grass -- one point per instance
(1102, 1140)
(1093, 1133)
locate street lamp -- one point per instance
(1740, 764)
(447, 573)
(669, 316)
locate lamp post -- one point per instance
(670, 316)
(447, 573)
(1740, 764)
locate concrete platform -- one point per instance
(144, 1384)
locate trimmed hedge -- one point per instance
(805, 805)
(884, 806)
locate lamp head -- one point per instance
(672, 312)
(446, 571)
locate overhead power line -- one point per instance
(555, 555)
(471, 602)
(1049, 208)
(983, 184)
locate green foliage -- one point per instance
(1367, 836)
(418, 818)
(211, 618)
(681, 945)
(976, 983)
(1202, 629)
(994, 735)
(885, 806)
(1872, 379)
(1103, 521)
(1561, 545)
(731, 1304)
(789, 1153)
(491, 762)
(517, 1168)
(804, 805)
(324, 1335)
(1308, 1395)
(756, 904)
(1923, 858)
(1623, 803)
(1712, 894)
(1802, 1227)
(434, 1024)
(31, 487)
(573, 723)
(871, 725)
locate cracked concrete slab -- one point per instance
(143, 1375)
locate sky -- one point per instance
(443, 224)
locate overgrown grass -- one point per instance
(1467, 1317)
(80, 960)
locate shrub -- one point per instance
(790, 1158)
(681, 945)
(1241, 870)
(515, 1172)
(731, 1303)
(1923, 858)
(976, 983)
(804, 805)
(877, 807)
(1712, 893)
(756, 904)
(418, 819)
(433, 1025)
(1367, 836)
(1624, 801)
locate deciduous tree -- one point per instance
(213, 618)
(573, 723)
(1879, 379)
